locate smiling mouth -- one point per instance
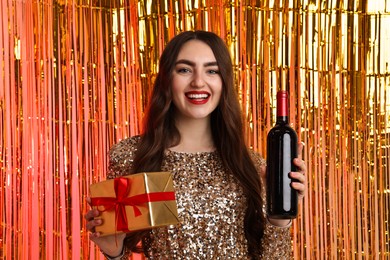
(197, 96)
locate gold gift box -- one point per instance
(148, 197)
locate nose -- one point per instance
(198, 80)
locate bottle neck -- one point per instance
(282, 107)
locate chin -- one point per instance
(199, 116)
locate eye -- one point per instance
(183, 70)
(213, 71)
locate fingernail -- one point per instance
(95, 234)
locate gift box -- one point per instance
(135, 202)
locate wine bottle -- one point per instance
(282, 199)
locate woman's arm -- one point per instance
(117, 246)
(299, 185)
(276, 242)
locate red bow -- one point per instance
(122, 189)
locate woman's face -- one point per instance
(196, 81)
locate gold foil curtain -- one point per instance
(75, 76)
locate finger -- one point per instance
(300, 164)
(91, 214)
(93, 236)
(300, 150)
(300, 188)
(92, 224)
(298, 176)
(89, 201)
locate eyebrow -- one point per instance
(190, 63)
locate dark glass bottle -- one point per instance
(282, 199)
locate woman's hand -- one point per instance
(111, 245)
(299, 185)
(300, 176)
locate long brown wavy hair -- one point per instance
(161, 133)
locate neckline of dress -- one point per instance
(169, 151)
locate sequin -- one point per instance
(211, 209)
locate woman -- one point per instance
(193, 129)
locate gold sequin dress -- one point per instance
(211, 209)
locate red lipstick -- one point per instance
(198, 97)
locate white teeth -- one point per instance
(197, 96)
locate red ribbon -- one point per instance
(122, 189)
